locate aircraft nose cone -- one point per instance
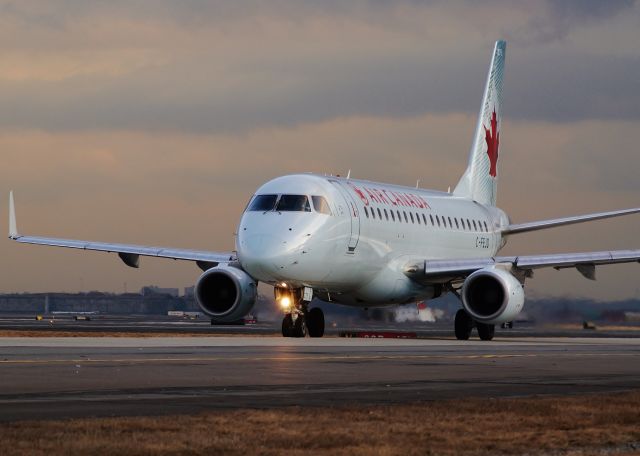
(262, 255)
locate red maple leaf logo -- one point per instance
(493, 140)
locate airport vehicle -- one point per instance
(362, 243)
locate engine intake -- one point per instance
(492, 296)
(225, 294)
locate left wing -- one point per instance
(552, 223)
(585, 263)
(129, 254)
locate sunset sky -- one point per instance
(153, 122)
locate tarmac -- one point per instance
(71, 377)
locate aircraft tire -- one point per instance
(485, 331)
(287, 326)
(299, 327)
(315, 322)
(463, 325)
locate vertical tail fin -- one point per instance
(480, 181)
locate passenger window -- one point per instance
(406, 219)
(450, 224)
(411, 215)
(263, 203)
(386, 215)
(393, 216)
(438, 220)
(431, 218)
(456, 220)
(321, 205)
(293, 203)
(424, 219)
(486, 228)
(468, 225)
(366, 211)
(379, 214)
(474, 226)
(418, 218)
(373, 213)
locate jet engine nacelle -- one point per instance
(492, 296)
(225, 294)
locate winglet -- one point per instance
(13, 229)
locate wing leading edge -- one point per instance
(552, 223)
(584, 262)
(128, 253)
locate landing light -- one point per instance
(285, 302)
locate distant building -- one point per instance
(154, 290)
(189, 292)
(632, 316)
(104, 303)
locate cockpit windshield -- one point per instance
(263, 203)
(289, 203)
(296, 203)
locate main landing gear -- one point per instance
(299, 320)
(464, 324)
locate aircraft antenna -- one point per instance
(348, 174)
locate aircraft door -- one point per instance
(354, 215)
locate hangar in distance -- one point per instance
(362, 243)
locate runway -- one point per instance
(52, 378)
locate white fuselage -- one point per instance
(358, 254)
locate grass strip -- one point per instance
(574, 425)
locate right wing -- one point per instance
(129, 254)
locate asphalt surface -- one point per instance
(53, 378)
(150, 324)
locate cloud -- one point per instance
(188, 190)
(236, 98)
(237, 66)
(154, 121)
(562, 16)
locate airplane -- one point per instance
(362, 243)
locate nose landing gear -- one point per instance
(299, 319)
